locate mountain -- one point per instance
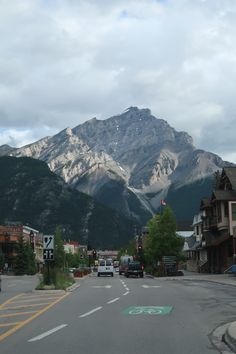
(6, 150)
(34, 195)
(129, 162)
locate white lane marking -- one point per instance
(11, 285)
(126, 288)
(127, 292)
(90, 312)
(102, 286)
(45, 334)
(114, 300)
(151, 286)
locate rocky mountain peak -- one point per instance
(131, 156)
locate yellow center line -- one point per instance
(23, 323)
(25, 306)
(17, 314)
(9, 324)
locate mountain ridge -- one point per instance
(134, 153)
(31, 193)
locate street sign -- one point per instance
(147, 310)
(48, 247)
(48, 255)
(48, 242)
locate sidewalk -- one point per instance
(227, 279)
(229, 334)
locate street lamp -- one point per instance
(31, 237)
(6, 253)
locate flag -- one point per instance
(163, 202)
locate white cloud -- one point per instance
(63, 62)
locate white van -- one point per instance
(105, 267)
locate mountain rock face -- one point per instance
(129, 161)
(34, 195)
(6, 150)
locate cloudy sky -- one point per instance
(63, 62)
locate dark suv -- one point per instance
(134, 268)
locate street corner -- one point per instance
(224, 339)
(230, 336)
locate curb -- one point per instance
(230, 336)
(72, 287)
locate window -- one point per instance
(234, 211)
(219, 217)
(226, 209)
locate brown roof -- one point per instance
(231, 174)
(224, 195)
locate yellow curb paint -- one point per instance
(9, 300)
(17, 314)
(23, 323)
(8, 324)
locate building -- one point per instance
(9, 237)
(218, 215)
(71, 247)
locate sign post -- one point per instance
(48, 252)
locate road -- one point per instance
(124, 316)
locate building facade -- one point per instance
(218, 225)
(9, 237)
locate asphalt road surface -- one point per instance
(117, 315)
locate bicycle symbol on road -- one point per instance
(148, 310)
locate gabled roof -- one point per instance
(205, 202)
(231, 174)
(190, 241)
(197, 219)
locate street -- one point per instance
(127, 316)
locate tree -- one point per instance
(21, 258)
(30, 259)
(162, 239)
(130, 249)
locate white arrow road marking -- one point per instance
(45, 334)
(90, 312)
(114, 300)
(151, 286)
(102, 286)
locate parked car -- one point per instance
(105, 267)
(134, 268)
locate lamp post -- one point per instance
(31, 237)
(6, 250)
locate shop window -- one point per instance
(234, 211)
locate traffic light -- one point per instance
(140, 245)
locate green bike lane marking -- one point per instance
(147, 310)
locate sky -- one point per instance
(63, 62)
